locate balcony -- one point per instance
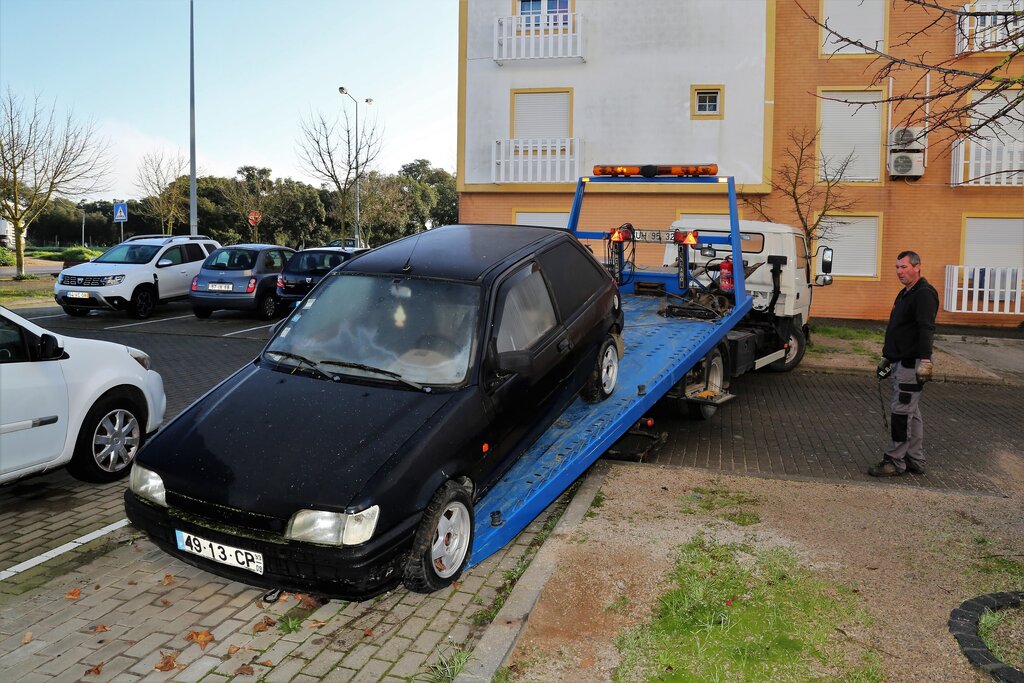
(983, 289)
(538, 36)
(978, 31)
(541, 160)
(989, 163)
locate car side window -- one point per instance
(193, 252)
(574, 277)
(174, 254)
(210, 247)
(272, 261)
(12, 343)
(526, 311)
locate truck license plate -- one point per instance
(218, 287)
(224, 554)
(659, 236)
(78, 295)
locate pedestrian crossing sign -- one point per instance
(121, 212)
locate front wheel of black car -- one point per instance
(605, 374)
(443, 541)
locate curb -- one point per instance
(502, 633)
(953, 379)
(963, 624)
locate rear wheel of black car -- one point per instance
(202, 313)
(443, 541)
(75, 311)
(143, 302)
(267, 307)
(605, 374)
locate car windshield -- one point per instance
(420, 330)
(231, 259)
(129, 253)
(315, 262)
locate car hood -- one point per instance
(93, 268)
(270, 442)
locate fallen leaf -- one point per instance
(244, 670)
(101, 628)
(367, 632)
(232, 649)
(95, 671)
(283, 596)
(166, 662)
(27, 639)
(316, 624)
(73, 594)
(266, 662)
(456, 585)
(133, 582)
(168, 579)
(263, 624)
(136, 548)
(200, 638)
(165, 602)
(308, 601)
(131, 642)
(96, 587)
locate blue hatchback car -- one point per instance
(242, 277)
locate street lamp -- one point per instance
(369, 100)
(81, 205)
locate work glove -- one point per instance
(884, 368)
(924, 370)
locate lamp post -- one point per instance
(81, 205)
(369, 100)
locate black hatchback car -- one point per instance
(306, 268)
(242, 277)
(416, 375)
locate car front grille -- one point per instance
(82, 281)
(222, 515)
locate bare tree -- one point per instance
(330, 149)
(163, 198)
(811, 194)
(43, 155)
(252, 192)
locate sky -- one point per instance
(260, 67)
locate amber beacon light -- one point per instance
(652, 171)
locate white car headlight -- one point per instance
(141, 357)
(112, 280)
(147, 484)
(333, 528)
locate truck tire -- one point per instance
(605, 374)
(143, 302)
(794, 354)
(714, 371)
(443, 541)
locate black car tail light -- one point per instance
(280, 281)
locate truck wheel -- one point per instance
(112, 433)
(794, 354)
(441, 547)
(143, 302)
(605, 374)
(714, 368)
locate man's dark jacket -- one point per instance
(912, 324)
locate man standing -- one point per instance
(908, 350)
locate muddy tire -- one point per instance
(605, 374)
(443, 541)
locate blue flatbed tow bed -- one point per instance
(659, 351)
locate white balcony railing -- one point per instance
(538, 36)
(979, 30)
(983, 289)
(541, 160)
(988, 163)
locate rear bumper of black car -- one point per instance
(346, 573)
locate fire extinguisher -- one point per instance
(725, 282)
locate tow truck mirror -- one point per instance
(707, 252)
(823, 280)
(826, 260)
(49, 348)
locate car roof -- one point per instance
(454, 252)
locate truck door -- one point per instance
(802, 278)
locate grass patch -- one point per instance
(711, 499)
(289, 624)
(596, 503)
(619, 604)
(10, 293)
(742, 517)
(1002, 631)
(743, 615)
(450, 663)
(848, 333)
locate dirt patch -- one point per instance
(911, 555)
(843, 355)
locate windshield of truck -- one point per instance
(128, 253)
(231, 259)
(395, 328)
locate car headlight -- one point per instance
(146, 483)
(112, 280)
(333, 528)
(141, 357)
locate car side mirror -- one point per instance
(164, 262)
(518, 362)
(826, 260)
(49, 348)
(707, 252)
(823, 280)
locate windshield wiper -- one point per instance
(381, 371)
(302, 359)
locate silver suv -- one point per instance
(135, 275)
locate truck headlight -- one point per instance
(333, 528)
(140, 357)
(146, 483)
(112, 280)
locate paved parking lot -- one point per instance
(800, 425)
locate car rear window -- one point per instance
(315, 262)
(231, 259)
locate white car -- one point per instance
(83, 403)
(135, 275)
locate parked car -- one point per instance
(348, 456)
(242, 277)
(348, 242)
(307, 267)
(134, 276)
(79, 402)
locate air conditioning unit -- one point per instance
(906, 164)
(908, 138)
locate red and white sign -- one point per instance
(254, 218)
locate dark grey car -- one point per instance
(242, 277)
(307, 268)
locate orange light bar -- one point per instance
(685, 237)
(651, 171)
(621, 235)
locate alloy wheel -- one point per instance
(116, 440)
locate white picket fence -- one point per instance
(538, 36)
(983, 289)
(540, 160)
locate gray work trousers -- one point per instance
(905, 421)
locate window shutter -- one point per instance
(994, 242)
(546, 219)
(862, 20)
(541, 115)
(855, 242)
(847, 128)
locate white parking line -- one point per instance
(60, 550)
(261, 327)
(147, 322)
(40, 317)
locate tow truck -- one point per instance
(691, 326)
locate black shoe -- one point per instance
(886, 468)
(914, 466)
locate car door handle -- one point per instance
(563, 346)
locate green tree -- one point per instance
(296, 215)
(395, 206)
(250, 192)
(446, 210)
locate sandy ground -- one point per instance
(908, 552)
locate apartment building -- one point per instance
(550, 88)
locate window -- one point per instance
(193, 252)
(544, 13)
(855, 241)
(860, 20)
(174, 255)
(851, 134)
(527, 313)
(12, 345)
(547, 219)
(541, 114)
(272, 260)
(707, 101)
(994, 242)
(574, 278)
